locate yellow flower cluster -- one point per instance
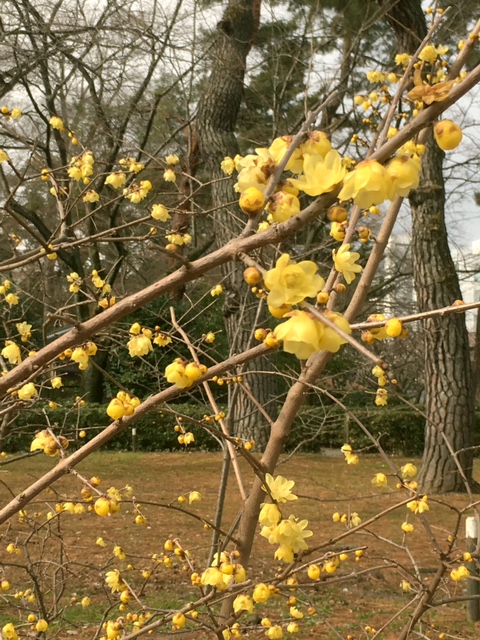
(184, 374)
(222, 572)
(289, 534)
(122, 405)
(116, 180)
(350, 457)
(131, 164)
(81, 167)
(75, 282)
(80, 355)
(137, 192)
(25, 331)
(303, 335)
(11, 352)
(10, 298)
(50, 445)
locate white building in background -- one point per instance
(396, 276)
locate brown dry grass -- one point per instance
(324, 485)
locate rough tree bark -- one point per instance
(216, 120)
(449, 398)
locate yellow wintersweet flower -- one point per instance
(317, 144)
(320, 175)
(116, 180)
(213, 577)
(368, 184)
(404, 172)
(227, 166)
(160, 212)
(381, 397)
(4, 157)
(409, 470)
(217, 290)
(290, 535)
(172, 159)
(12, 299)
(194, 496)
(57, 123)
(275, 632)
(175, 374)
(11, 352)
(56, 382)
(278, 149)
(243, 603)
(331, 340)
(114, 581)
(119, 553)
(407, 527)
(428, 54)
(261, 593)
(290, 282)
(80, 357)
(280, 488)
(169, 175)
(91, 196)
(380, 480)
(9, 632)
(345, 262)
(25, 330)
(402, 59)
(337, 231)
(269, 514)
(301, 334)
(27, 392)
(462, 573)
(418, 506)
(283, 206)
(139, 345)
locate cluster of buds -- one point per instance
(8, 113)
(185, 437)
(349, 519)
(123, 405)
(49, 444)
(131, 165)
(392, 328)
(183, 373)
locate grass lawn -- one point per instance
(65, 560)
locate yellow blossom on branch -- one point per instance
(290, 282)
(345, 262)
(11, 352)
(301, 334)
(320, 175)
(280, 488)
(368, 184)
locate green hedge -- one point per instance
(400, 429)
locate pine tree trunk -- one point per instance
(217, 116)
(450, 412)
(449, 394)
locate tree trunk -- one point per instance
(449, 396)
(217, 116)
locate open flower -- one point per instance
(404, 173)
(280, 488)
(290, 282)
(345, 262)
(320, 175)
(11, 352)
(368, 184)
(301, 334)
